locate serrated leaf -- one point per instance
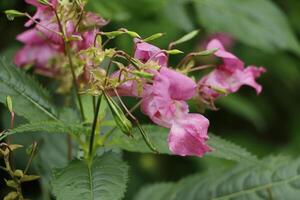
(158, 136)
(103, 179)
(48, 127)
(241, 182)
(258, 23)
(30, 99)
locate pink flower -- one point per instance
(31, 36)
(158, 104)
(39, 55)
(229, 76)
(146, 52)
(164, 102)
(230, 61)
(43, 12)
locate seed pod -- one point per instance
(121, 120)
(9, 103)
(11, 14)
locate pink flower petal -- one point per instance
(181, 86)
(147, 52)
(231, 62)
(31, 36)
(230, 82)
(188, 136)
(38, 55)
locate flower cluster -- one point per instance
(60, 30)
(49, 28)
(164, 99)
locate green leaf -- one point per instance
(30, 100)
(242, 181)
(258, 23)
(103, 179)
(228, 150)
(186, 37)
(158, 136)
(245, 108)
(48, 127)
(159, 191)
(177, 14)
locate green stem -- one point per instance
(68, 53)
(92, 136)
(67, 49)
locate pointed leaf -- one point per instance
(30, 99)
(243, 181)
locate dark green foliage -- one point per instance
(29, 99)
(104, 178)
(243, 181)
(258, 23)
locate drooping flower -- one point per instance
(227, 77)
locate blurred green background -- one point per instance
(265, 33)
